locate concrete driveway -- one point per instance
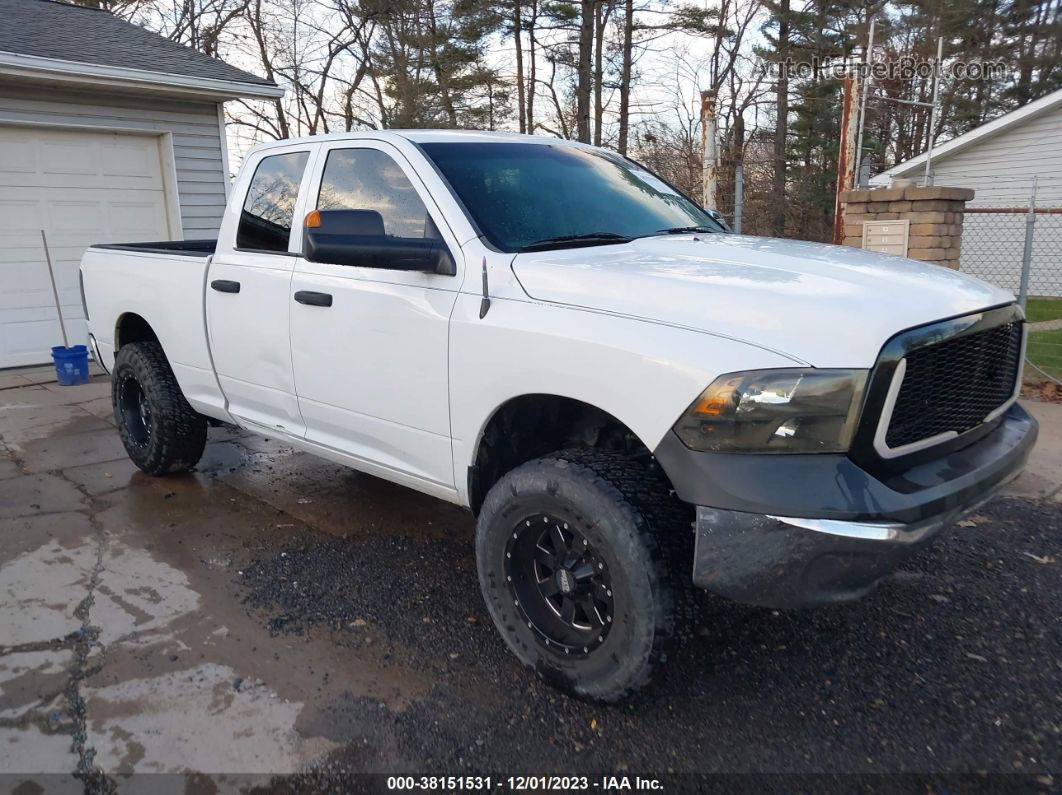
(272, 613)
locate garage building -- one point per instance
(108, 133)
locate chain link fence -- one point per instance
(746, 199)
(1020, 249)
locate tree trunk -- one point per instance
(254, 18)
(521, 107)
(441, 78)
(582, 89)
(600, 20)
(781, 124)
(532, 70)
(625, 75)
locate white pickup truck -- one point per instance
(630, 399)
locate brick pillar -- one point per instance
(935, 215)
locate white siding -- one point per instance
(194, 126)
(1000, 168)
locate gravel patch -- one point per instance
(952, 666)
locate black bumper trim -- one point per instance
(835, 487)
(807, 530)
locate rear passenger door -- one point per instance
(371, 368)
(247, 291)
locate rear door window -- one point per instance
(268, 210)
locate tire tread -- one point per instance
(180, 436)
(662, 528)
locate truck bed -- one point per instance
(164, 285)
(183, 248)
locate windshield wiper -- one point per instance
(590, 239)
(684, 230)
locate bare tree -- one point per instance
(564, 125)
(518, 40)
(781, 119)
(532, 64)
(601, 17)
(200, 24)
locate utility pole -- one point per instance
(1027, 251)
(709, 152)
(739, 195)
(928, 179)
(868, 63)
(846, 164)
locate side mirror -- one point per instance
(718, 218)
(357, 237)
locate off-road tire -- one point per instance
(626, 510)
(176, 434)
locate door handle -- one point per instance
(225, 286)
(311, 298)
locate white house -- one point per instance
(999, 160)
(108, 133)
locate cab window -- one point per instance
(368, 179)
(265, 222)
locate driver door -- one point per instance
(369, 344)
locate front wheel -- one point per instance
(583, 560)
(160, 431)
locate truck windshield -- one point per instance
(536, 196)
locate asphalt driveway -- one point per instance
(273, 613)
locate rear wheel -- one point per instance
(160, 431)
(583, 560)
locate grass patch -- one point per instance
(1045, 350)
(1040, 309)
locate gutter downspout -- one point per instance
(224, 150)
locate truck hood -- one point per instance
(828, 306)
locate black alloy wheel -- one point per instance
(134, 410)
(559, 584)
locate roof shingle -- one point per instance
(48, 29)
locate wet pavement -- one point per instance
(272, 613)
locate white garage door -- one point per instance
(81, 188)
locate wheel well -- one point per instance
(132, 328)
(531, 426)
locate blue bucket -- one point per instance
(71, 365)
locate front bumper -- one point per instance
(801, 531)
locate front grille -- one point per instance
(953, 385)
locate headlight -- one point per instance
(782, 411)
